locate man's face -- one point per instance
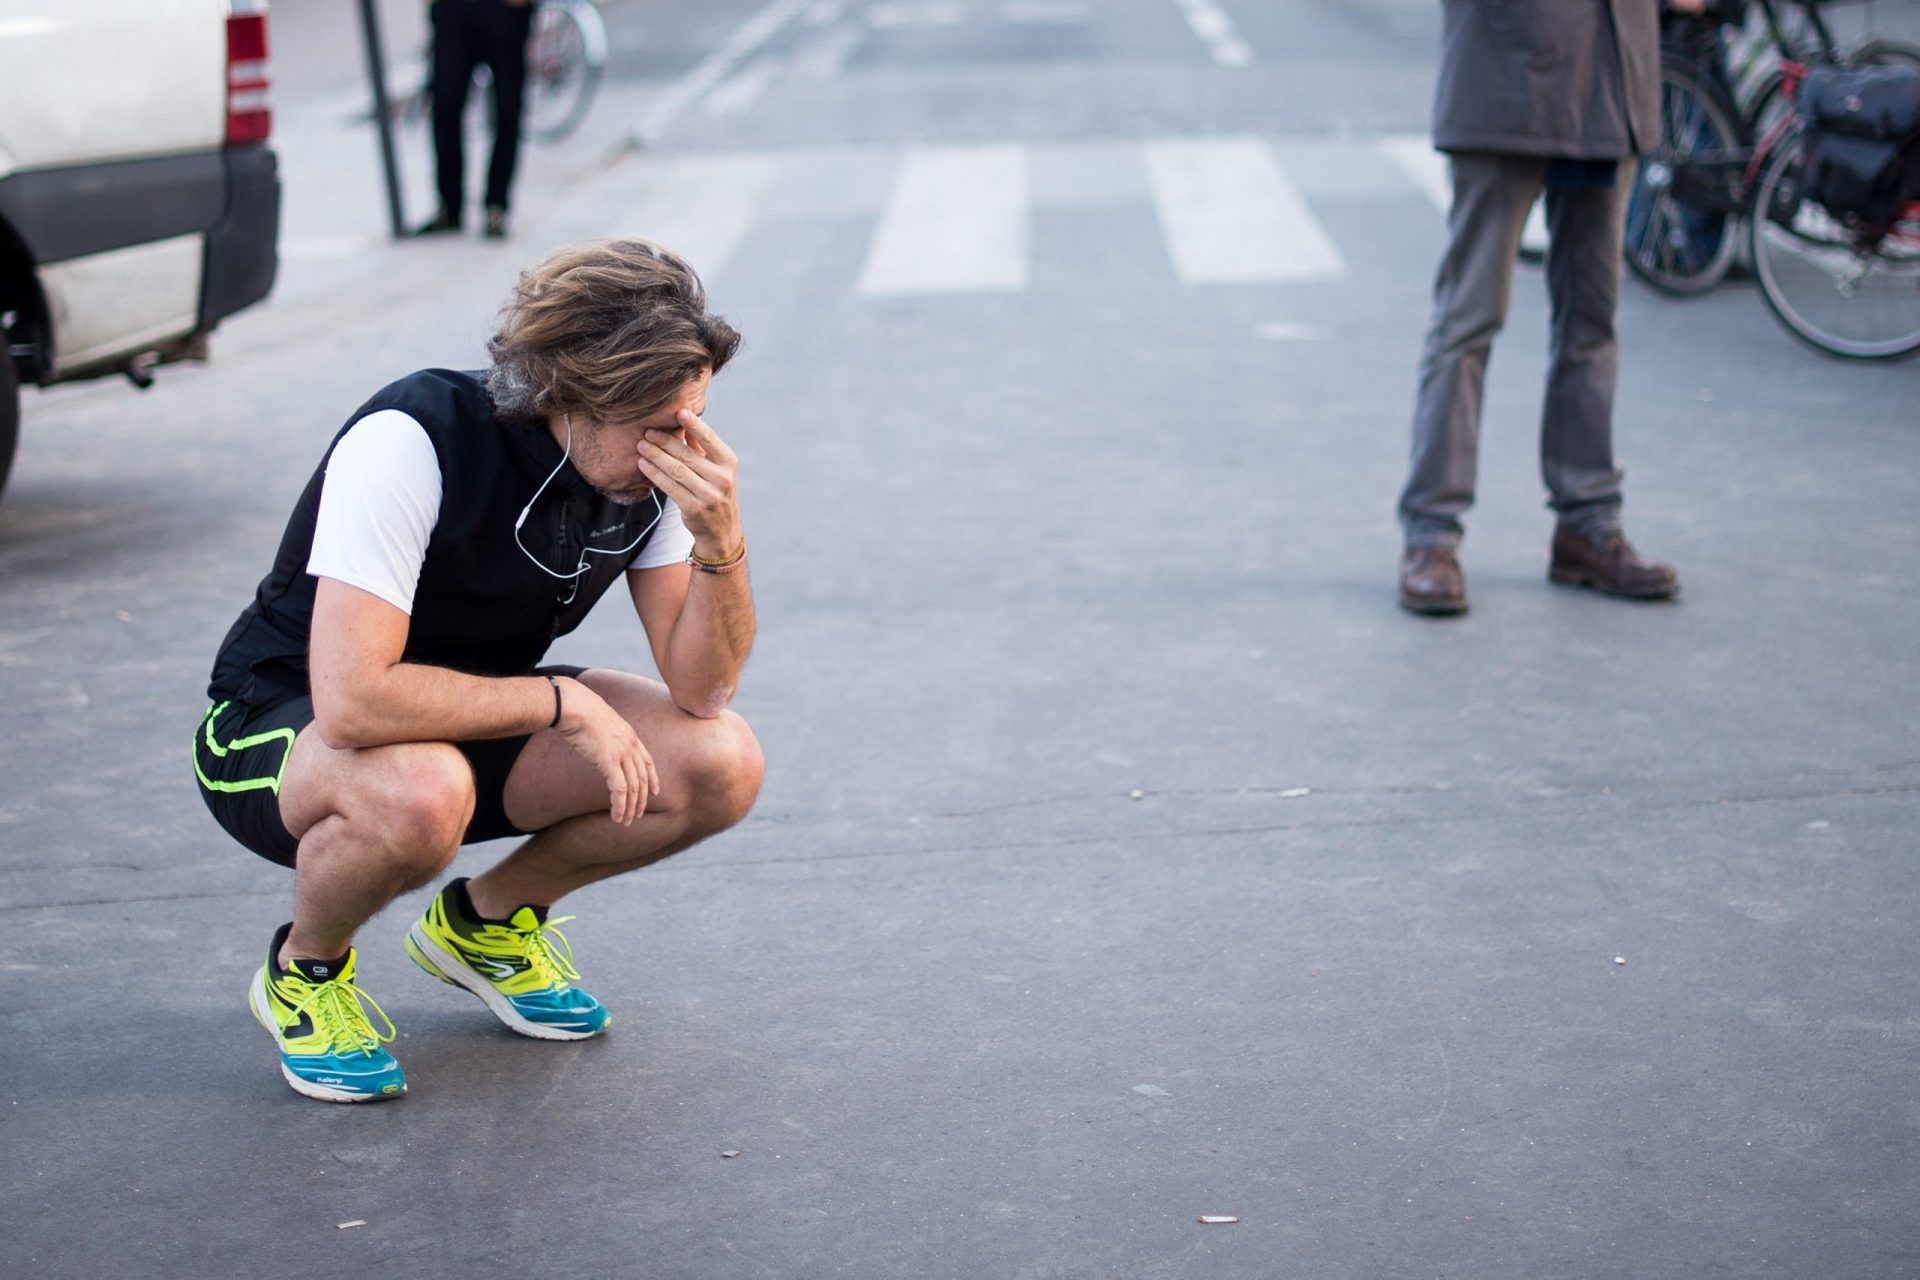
(605, 452)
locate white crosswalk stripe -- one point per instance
(1231, 216)
(1427, 168)
(700, 207)
(1414, 153)
(957, 220)
(954, 222)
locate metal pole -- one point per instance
(383, 114)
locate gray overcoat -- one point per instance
(1573, 78)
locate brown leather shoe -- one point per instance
(1609, 564)
(1431, 582)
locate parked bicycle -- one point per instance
(1721, 99)
(1835, 217)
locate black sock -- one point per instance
(312, 969)
(463, 904)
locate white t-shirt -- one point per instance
(382, 498)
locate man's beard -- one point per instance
(625, 497)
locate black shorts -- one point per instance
(240, 753)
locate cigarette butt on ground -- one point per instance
(357, 1222)
(1213, 1219)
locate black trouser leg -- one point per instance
(454, 58)
(506, 53)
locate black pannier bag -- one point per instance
(1861, 149)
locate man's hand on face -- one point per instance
(700, 474)
(605, 740)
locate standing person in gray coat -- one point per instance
(1533, 94)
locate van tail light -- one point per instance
(249, 105)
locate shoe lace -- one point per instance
(335, 1008)
(549, 953)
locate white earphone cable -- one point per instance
(583, 566)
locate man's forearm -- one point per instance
(409, 702)
(710, 641)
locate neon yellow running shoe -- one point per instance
(520, 969)
(318, 1019)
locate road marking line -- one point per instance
(1534, 234)
(1216, 31)
(1428, 168)
(1230, 214)
(1415, 155)
(916, 17)
(741, 45)
(736, 95)
(955, 221)
(327, 248)
(1287, 331)
(701, 207)
(826, 55)
(1045, 12)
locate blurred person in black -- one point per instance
(468, 34)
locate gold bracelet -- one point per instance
(720, 566)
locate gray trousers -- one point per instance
(1471, 292)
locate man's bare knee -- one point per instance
(724, 770)
(422, 802)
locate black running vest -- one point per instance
(482, 606)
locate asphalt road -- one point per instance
(1126, 855)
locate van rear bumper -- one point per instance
(242, 247)
(230, 195)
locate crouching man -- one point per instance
(383, 699)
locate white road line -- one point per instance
(1045, 12)
(1230, 215)
(741, 45)
(701, 207)
(955, 221)
(1415, 155)
(916, 17)
(736, 95)
(1287, 331)
(825, 55)
(823, 12)
(327, 248)
(1216, 31)
(1534, 235)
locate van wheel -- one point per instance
(9, 413)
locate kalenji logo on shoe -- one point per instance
(321, 971)
(498, 968)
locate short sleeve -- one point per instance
(378, 507)
(671, 542)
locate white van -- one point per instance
(139, 200)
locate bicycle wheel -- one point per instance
(1860, 303)
(565, 54)
(1882, 52)
(1680, 226)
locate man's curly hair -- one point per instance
(612, 329)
